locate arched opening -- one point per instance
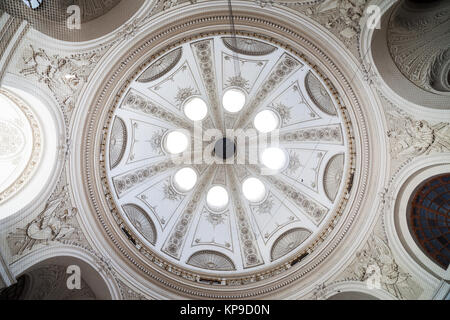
(29, 135)
(58, 278)
(419, 28)
(429, 220)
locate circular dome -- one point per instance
(266, 121)
(217, 198)
(185, 179)
(233, 100)
(176, 142)
(253, 189)
(195, 109)
(216, 231)
(274, 158)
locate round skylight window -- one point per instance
(266, 121)
(176, 142)
(274, 158)
(195, 109)
(253, 189)
(185, 179)
(233, 100)
(217, 198)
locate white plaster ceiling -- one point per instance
(245, 235)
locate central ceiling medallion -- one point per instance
(221, 219)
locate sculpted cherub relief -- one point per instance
(376, 266)
(54, 223)
(411, 138)
(64, 76)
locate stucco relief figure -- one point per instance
(54, 223)
(64, 76)
(376, 266)
(411, 138)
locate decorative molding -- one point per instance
(139, 103)
(249, 247)
(204, 55)
(304, 202)
(128, 181)
(177, 237)
(331, 133)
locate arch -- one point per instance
(50, 120)
(398, 196)
(353, 290)
(102, 283)
(352, 295)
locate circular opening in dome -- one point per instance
(233, 100)
(253, 189)
(266, 121)
(185, 179)
(176, 142)
(217, 198)
(195, 109)
(224, 148)
(274, 158)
